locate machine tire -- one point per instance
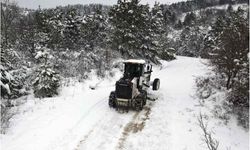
(144, 97)
(112, 100)
(156, 84)
(138, 104)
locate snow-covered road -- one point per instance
(80, 118)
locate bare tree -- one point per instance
(211, 142)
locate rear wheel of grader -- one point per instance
(144, 96)
(139, 102)
(112, 100)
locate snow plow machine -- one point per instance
(131, 89)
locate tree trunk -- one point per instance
(228, 82)
(234, 75)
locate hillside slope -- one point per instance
(80, 117)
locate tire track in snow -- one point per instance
(113, 134)
(91, 109)
(112, 130)
(84, 139)
(86, 136)
(95, 108)
(137, 124)
(105, 132)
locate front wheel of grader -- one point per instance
(156, 84)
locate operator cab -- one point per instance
(134, 68)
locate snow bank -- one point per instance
(53, 123)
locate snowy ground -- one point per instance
(80, 119)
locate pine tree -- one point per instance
(47, 81)
(130, 22)
(56, 27)
(157, 29)
(158, 35)
(228, 44)
(93, 31)
(138, 32)
(11, 85)
(191, 42)
(71, 31)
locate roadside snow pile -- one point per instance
(80, 119)
(46, 123)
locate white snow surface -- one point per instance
(80, 118)
(135, 61)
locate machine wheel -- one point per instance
(112, 98)
(144, 97)
(137, 104)
(156, 84)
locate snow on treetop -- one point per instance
(130, 11)
(43, 53)
(135, 61)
